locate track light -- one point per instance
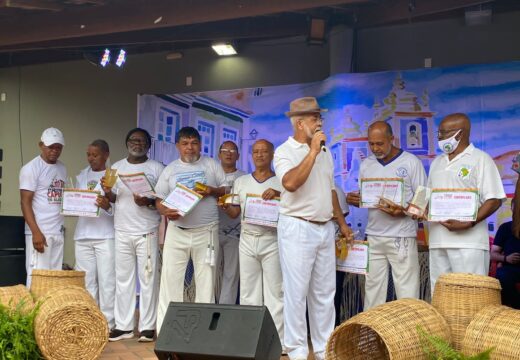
(105, 58)
(121, 58)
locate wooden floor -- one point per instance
(131, 349)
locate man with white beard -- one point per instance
(196, 232)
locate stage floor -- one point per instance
(131, 349)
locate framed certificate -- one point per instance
(373, 189)
(453, 204)
(182, 199)
(261, 212)
(78, 202)
(357, 259)
(138, 184)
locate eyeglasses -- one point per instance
(230, 151)
(137, 141)
(444, 133)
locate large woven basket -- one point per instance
(11, 296)
(70, 326)
(388, 331)
(45, 280)
(494, 326)
(459, 297)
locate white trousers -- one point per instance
(261, 274)
(448, 260)
(136, 254)
(403, 257)
(179, 245)
(50, 259)
(96, 257)
(228, 257)
(308, 266)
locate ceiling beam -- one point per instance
(399, 10)
(133, 15)
(47, 5)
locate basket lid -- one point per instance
(469, 280)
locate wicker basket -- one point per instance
(70, 326)
(45, 280)
(11, 296)
(459, 297)
(388, 331)
(494, 326)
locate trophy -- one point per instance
(200, 186)
(110, 177)
(419, 203)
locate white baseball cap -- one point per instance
(52, 136)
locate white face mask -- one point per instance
(450, 144)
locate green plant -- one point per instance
(436, 348)
(17, 340)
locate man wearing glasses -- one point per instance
(462, 246)
(229, 229)
(305, 233)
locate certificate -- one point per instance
(182, 199)
(373, 189)
(453, 204)
(357, 259)
(138, 184)
(261, 212)
(77, 202)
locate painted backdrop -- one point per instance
(413, 102)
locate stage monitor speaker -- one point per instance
(217, 332)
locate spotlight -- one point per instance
(105, 59)
(224, 49)
(121, 58)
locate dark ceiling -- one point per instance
(38, 31)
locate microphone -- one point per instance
(322, 145)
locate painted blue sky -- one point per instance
(489, 94)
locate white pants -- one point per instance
(228, 256)
(50, 259)
(179, 245)
(96, 257)
(136, 254)
(261, 275)
(308, 266)
(474, 261)
(402, 255)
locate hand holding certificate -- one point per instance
(80, 203)
(453, 204)
(261, 212)
(182, 199)
(372, 190)
(138, 184)
(355, 260)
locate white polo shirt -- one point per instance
(312, 200)
(410, 169)
(472, 168)
(247, 184)
(206, 171)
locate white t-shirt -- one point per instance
(205, 170)
(128, 217)
(47, 182)
(101, 227)
(312, 200)
(247, 184)
(228, 226)
(411, 170)
(472, 168)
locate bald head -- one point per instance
(381, 126)
(458, 120)
(269, 145)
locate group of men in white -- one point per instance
(289, 268)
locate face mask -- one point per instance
(449, 145)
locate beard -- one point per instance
(138, 153)
(309, 132)
(191, 158)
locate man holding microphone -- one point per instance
(305, 232)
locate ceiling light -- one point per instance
(105, 58)
(121, 58)
(224, 49)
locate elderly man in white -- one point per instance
(305, 232)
